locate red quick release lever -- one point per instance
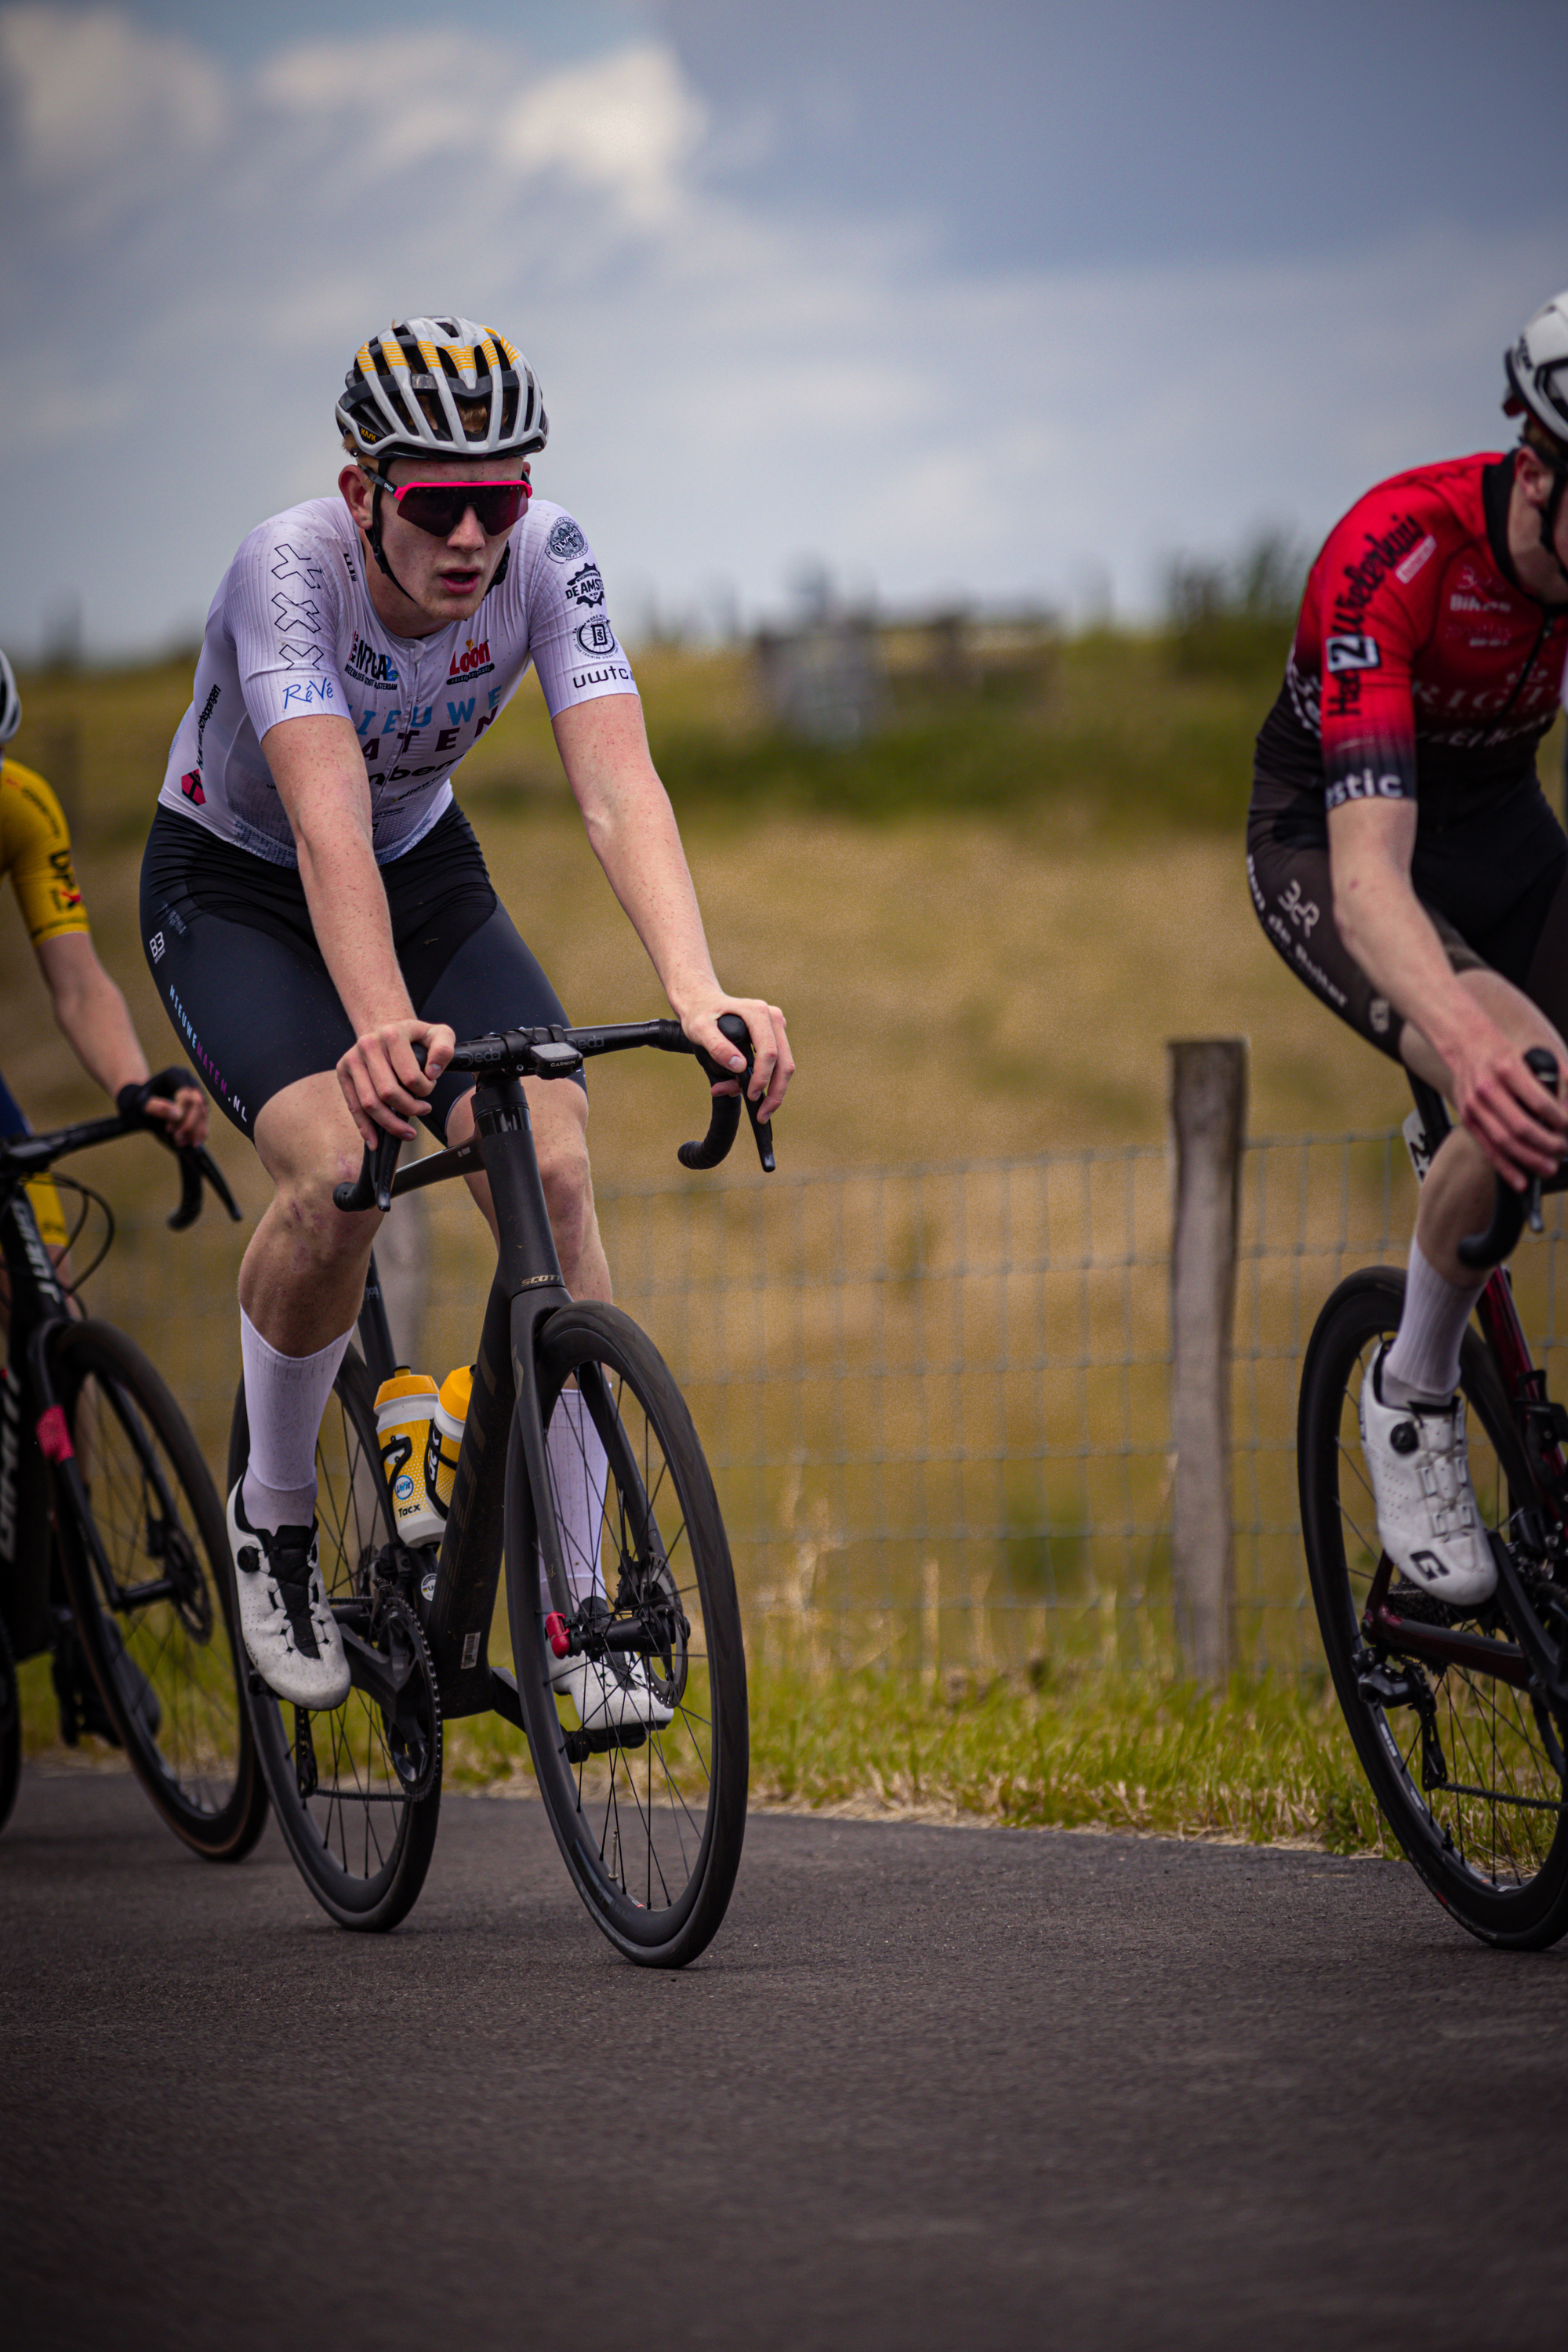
(557, 1635)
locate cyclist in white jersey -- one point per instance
(315, 904)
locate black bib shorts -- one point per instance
(229, 940)
(1495, 885)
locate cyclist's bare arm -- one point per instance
(94, 1022)
(604, 749)
(1518, 1124)
(319, 775)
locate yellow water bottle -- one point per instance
(403, 1408)
(444, 1440)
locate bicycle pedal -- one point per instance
(581, 1745)
(305, 1771)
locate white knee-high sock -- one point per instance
(579, 1473)
(285, 1397)
(1423, 1363)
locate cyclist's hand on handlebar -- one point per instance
(185, 1115)
(773, 1065)
(172, 1099)
(1522, 1128)
(382, 1084)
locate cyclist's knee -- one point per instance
(568, 1187)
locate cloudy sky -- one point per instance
(1008, 299)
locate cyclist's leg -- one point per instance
(253, 1001)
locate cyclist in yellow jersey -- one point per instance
(36, 853)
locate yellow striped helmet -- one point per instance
(446, 386)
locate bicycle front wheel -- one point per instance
(650, 1831)
(148, 1582)
(10, 1728)
(1472, 1794)
(362, 1838)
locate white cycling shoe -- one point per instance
(609, 1693)
(1427, 1521)
(290, 1633)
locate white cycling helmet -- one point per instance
(1537, 367)
(445, 387)
(10, 701)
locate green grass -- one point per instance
(1266, 1762)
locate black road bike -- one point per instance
(113, 1552)
(1459, 1716)
(649, 1820)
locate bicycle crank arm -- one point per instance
(373, 1672)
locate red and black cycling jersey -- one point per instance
(1420, 666)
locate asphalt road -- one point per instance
(931, 2086)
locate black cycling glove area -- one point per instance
(131, 1101)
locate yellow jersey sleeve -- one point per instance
(36, 852)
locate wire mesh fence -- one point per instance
(935, 1399)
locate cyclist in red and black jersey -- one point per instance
(1404, 861)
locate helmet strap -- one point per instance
(373, 535)
(1551, 510)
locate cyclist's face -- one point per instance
(446, 577)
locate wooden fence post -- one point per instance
(1208, 1124)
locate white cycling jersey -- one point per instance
(292, 634)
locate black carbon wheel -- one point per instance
(150, 1590)
(10, 1728)
(1492, 1844)
(358, 1808)
(652, 1833)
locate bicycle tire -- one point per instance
(362, 1844)
(10, 1728)
(651, 1834)
(1498, 1863)
(152, 1595)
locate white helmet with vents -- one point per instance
(1538, 368)
(10, 701)
(441, 387)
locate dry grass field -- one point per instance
(961, 981)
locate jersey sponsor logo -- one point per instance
(609, 676)
(1352, 653)
(1362, 784)
(208, 707)
(1303, 913)
(1385, 551)
(155, 947)
(597, 636)
(474, 661)
(298, 564)
(63, 889)
(367, 668)
(1406, 573)
(585, 587)
(565, 541)
(312, 690)
(190, 785)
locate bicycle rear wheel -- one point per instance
(362, 1836)
(652, 1833)
(10, 1728)
(1492, 1841)
(148, 1583)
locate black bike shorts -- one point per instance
(229, 942)
(1506, 913)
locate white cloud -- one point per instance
(627, 124)
(729, 388)
(104, 111)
